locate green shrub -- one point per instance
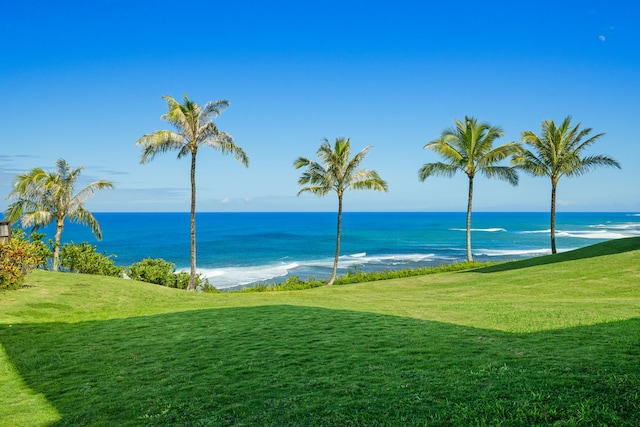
(161, 272)
(205, 286)
(18, 257)
(83, 258)
(152, 270)
(356, 275)
(40, 248)
(292, 283)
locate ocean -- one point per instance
(243, 249)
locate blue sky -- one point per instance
(83, 80)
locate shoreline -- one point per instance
(240, 249)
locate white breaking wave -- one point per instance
(511, 252)
(488, 230)
(633, 226)
(393, 259)
(599, 231)
(228, 277)
(599, 234)
(231, 277)
(547, 231)
(359, 255)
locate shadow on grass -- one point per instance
(306, 366)
(610, 247)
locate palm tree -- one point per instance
(557, 152)
(337, 172)
(468, 147)
(195, 128)
(42, 197)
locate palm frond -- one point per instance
(437, 169)
(85, 193)
(84, 217)
(368, 180)
(351, 168)
(530, 163)
(194, 128)
(557, 151)
(467, 147)
(444, 148)
(315, 174)
(160, 141)
(37, 218)
(591, 162)
(336, 170)
(301, 162)
(495, 155)
(582, 145)
(318, 190)
(504, 173)
(176, 113)
(213, 109)
(224, 143)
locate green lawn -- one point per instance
(547, 341)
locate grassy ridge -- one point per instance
(535, 342)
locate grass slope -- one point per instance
(548, 341)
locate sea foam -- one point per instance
(228, 277)
(511, 252)
(598, 234)
(486, 230)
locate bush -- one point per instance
(292, 283)
(40, 248)
(161, 272)
(17, 258)
(156, 271)
(356, 275)
(83, 258)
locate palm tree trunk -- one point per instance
(335, 260)
(192, 273)
(553, 217)
(469, 203)
(56, 244)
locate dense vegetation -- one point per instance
(294, 283)
(18, 257)
(44, 197)
(547, 341)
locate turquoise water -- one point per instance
(238, 249)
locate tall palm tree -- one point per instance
(468, 147)
(558, 152)
(194, 128)
(337, 172)
(42, 197)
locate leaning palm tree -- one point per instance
(337, 172)
(195, 128)
(557, 152)
(468, 147)
(42, 197)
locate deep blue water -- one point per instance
(237, 249)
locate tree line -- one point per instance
(41, 197)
